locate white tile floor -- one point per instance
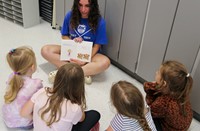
(97, 94)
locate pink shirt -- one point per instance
(71, 114)
(11, 111)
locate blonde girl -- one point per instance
(169, 98)
(132, 114)
(62, 106)
(20, 86)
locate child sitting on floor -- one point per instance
(20, 86)
(132, 114)
(168, 97)
(62, 107)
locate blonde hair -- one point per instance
(68, 85)
(178, 82)
(128, 101)
(20, 60)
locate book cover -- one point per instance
(80, 51)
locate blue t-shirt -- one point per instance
(83, 30)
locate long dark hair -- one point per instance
(93, 17)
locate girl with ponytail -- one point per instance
(20, 86)
(169, 97)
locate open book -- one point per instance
(80, 51)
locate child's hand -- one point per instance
(150, 87)
(152, 91)
(81, 63)
(78, 39)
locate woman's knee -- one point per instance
(49, 50)
(106, 62)
(45, 50)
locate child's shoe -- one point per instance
(88, 80)
(52, 76)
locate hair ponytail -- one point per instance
(20, 61)
(178, 81)
(15, 85)
(143, 123)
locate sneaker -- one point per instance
(52, 76)
(88, 80)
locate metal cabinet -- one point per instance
(184, 40)
(46, 10)
(21, 12)
(62, 7)
(159, 20)
(133, 23)
(138, 33)
(114, 14)
(196, 89)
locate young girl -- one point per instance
(20, 86)
(132, 114)
(62, 106)
(168, 97)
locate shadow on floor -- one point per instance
(47, 67)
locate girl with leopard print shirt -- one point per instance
(168, 97)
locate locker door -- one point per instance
(59, 12)
(159, 20)
(196, 90)
(133, 24)
(102, 7)
(185, 40)
(114, 16)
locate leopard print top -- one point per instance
(167, 109)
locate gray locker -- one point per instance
(134, 19)
(102, 7)
(62, 7)
(114, 17)
(21, 12)
(185, 40)
(159, 20)
(196, 89)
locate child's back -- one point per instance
(71, 113)
(20, 86)
(168, 97)
(11, 111)
(62, 106)
(132, 115)
(124, 123)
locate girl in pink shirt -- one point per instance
(20, 87)
(62, 106)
